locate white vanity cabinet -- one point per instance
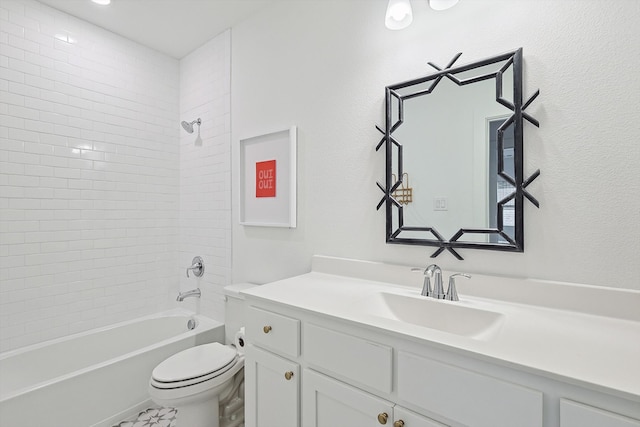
(272, 382)
(310, 370)
(346, 379)
(327, 349)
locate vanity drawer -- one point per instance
(485, 401)
(273, 331)
(574, 414)
(356, 359)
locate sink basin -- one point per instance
(446, 316)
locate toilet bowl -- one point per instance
(197, 381)
(205, 383)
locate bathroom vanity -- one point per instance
(353, 343)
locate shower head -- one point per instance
(189, 126)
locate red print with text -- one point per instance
(266, 178)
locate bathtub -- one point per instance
(95, 378)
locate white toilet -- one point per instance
(205, 383)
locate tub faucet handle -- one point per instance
(197, 266)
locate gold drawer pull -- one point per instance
(398, 423)
(288, 375)
(383, 417)
(267, 329)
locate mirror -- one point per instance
(454, 157)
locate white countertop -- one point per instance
(576, 345)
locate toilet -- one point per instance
(205, 383)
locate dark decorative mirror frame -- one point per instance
(519, 183)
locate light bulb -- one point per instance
(399, 14)
(442, 4)
(399, 11)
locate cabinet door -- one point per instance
(271, 390)
(404, 418)
(330, 403)
(573, 414)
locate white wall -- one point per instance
(89, 176)
(323, 65)
(205, 174)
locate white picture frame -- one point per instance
(268, 196)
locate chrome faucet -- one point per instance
(433, 271)
(437, 291)
(193, 293)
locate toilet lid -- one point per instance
(194, 362)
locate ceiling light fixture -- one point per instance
(102, 2)
(399, 14)
(442, 4)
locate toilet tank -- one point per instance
(234, 309)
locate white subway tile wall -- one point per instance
(205, 172)
(95, 174)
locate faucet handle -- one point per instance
(197, 266)
(427, 290)
(433, 271)
(452, 294)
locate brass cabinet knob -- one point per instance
(383, 417)
(398, 423)
(267, 329)
(288, 375)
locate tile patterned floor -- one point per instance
(153, 417)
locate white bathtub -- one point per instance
(94, 378)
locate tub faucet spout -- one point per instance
(193, 293)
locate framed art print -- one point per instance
(268, 179)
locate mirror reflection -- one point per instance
(453, 143)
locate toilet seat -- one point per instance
(194, 366)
